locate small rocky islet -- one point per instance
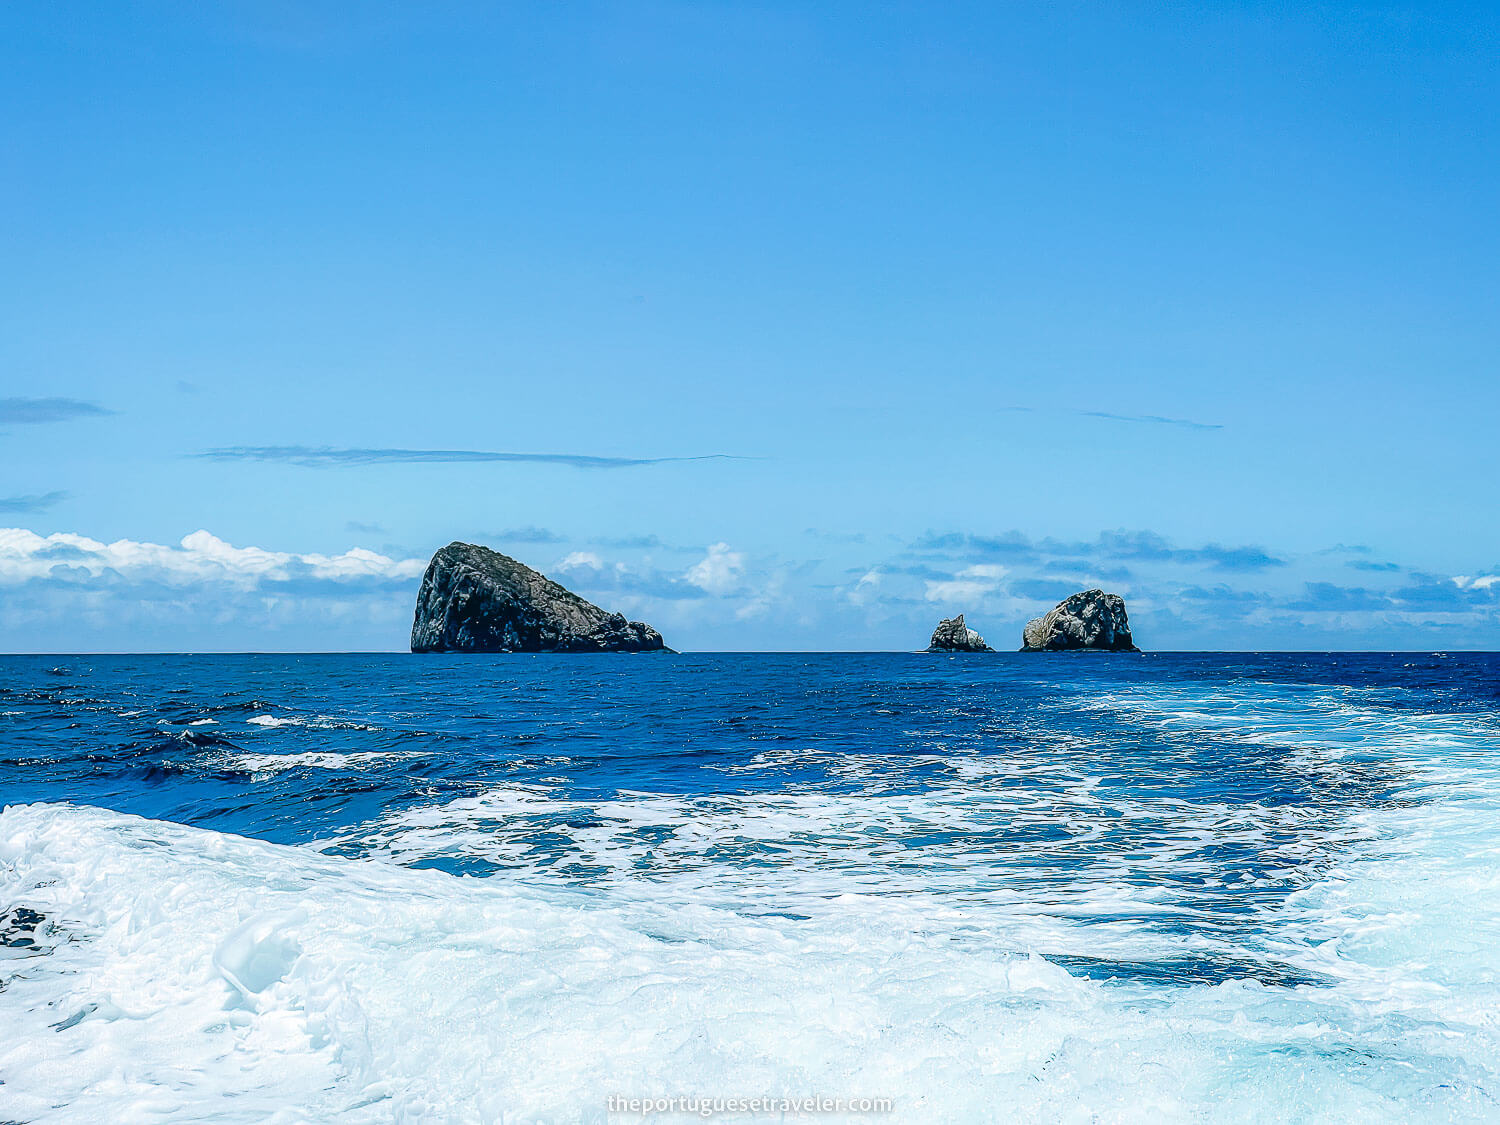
(1089, 620)
(952, 635)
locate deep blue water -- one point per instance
(174, 737)
(1160, 828)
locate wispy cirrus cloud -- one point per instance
(38, 503)
(1150, 419)
(35, 411)
(1109, 416)
(310, 456)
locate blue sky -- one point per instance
(777, 326)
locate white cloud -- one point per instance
(867, 589)
(969, 584)
(1483, 582)
(200, 557)
(760, 602)
(718, 572)
(71, 592)
(580, 560)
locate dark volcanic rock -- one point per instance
(477, 600)
(1091, 619)
(952, 635)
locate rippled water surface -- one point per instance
(1067, 887)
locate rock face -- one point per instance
(477, 600)
(952, 635)
(1091, 619)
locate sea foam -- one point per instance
(198, 975)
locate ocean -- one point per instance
(925, 888)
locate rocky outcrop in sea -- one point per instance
(1091, 619)
(474, 599)
(952, 635)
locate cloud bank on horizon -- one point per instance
(719, 596)
(200, 557)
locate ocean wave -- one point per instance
(314, 722)
(267, 765)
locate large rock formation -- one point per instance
(1091, 619)
(952, 635)
(477, 600)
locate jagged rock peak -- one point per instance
(1091, 619)
(952, 635)
(474, 599)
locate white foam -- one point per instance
(264, 765)
(315, 722)
(271, 721)
(211, 976)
